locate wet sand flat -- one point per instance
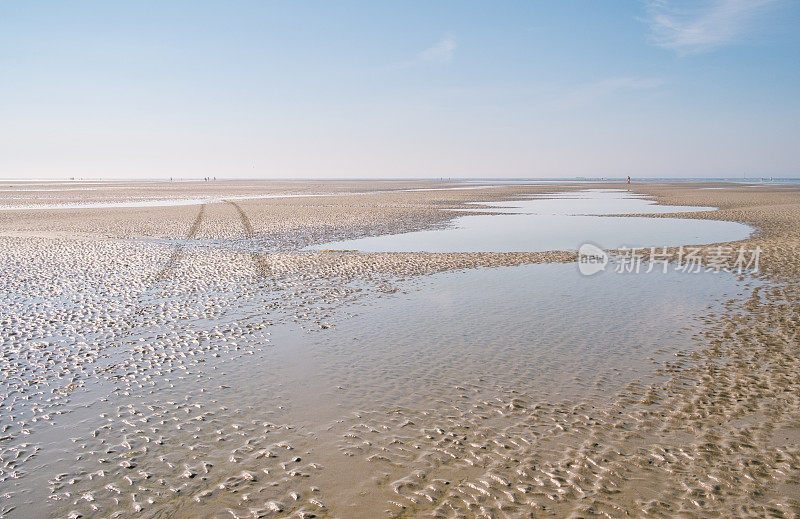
(192, 360)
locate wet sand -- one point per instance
(128, 333)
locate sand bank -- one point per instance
(127, 326)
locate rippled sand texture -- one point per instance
(127, 335)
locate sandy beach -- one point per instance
(192, 360)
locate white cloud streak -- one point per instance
(586, 94)
(694, 26)
(441, 52)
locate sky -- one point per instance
(399, 89)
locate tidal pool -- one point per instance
(315, 415)
(561, 221)
(170, 202)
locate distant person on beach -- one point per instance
(629, 179)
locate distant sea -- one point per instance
(736, 180)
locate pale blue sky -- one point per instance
(275, 89)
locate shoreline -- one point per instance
(720, 435)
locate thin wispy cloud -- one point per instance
(587, 94)
(441, 52)
(695, 26)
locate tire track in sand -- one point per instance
(261, 263)
(177, 254)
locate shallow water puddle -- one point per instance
(318, 421)
(557, 222)
(453, 351)
(171, 202)
(589, 202)
(543, 328)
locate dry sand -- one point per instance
(116, 325)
